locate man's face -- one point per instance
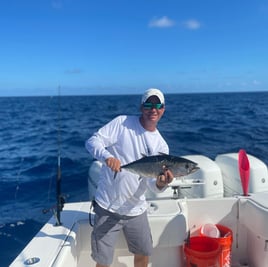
(152, 110)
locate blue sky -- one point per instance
(127, 46)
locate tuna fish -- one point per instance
(152, 166)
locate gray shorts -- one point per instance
(107, 226)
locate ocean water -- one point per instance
(35, 129)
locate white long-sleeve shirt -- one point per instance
(125, 139)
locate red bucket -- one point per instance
(202, 251)
(225, 241)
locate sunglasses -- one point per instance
(151, 106)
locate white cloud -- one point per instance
(163, 22)
(192, 24)
(166, 22)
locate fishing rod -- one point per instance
(59, 198)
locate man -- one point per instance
(120, 201)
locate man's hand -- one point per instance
(114, 164)
(164, 178)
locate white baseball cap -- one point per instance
(153, 91)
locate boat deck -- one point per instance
(170, 220)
